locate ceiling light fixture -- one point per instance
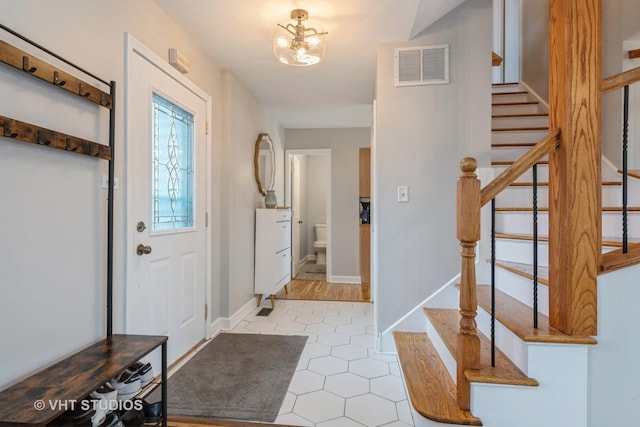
(295, 44)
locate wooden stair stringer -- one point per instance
(615, 260)
(446, 322)
(518, 318)
(430, 388)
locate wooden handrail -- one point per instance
(620, 80)
(520, 166)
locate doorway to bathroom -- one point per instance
(308, 192)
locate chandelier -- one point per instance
(295, 44)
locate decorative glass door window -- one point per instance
(173, 166)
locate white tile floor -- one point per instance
(340, 381)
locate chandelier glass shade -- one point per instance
(299, 45)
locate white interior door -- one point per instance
(166, 226)
(296, 220)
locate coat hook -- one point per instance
(81, 91)
(7, 131)
(56, 79)
(25, 65)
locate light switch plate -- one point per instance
(403, 193)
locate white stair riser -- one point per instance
(499, 137)
(521, 251)
(516, 109)
(509, 153)
(516, 87)
(521, 223)
(444, 353)
(516, 197)
(510, 97)
(525, 121)
(509, 343)
(543, 173)
(521, 289)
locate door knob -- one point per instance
(299, 221)
(143, 250)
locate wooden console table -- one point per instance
(75, 377)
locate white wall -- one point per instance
(344, 144)
(52, 237)
(613, 369)
(422, 132)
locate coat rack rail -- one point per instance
(42, 70)
(26, 132)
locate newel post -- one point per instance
(468, 233)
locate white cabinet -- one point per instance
(272, 252)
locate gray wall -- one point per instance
(52, 239)
(344, 145)
(535, 46)
(422, 132)
(620, 22)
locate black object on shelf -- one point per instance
(365, 211)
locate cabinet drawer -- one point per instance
(282, 261)
(282, 236)
(283, 215)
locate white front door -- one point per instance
(166, 148)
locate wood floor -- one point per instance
(320, 290)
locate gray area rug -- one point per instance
(235, 376)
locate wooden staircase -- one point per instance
(429, 360)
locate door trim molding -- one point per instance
(134, 47)
(326, 153)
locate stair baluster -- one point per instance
(535, 245)
(493, 282)
(468, 233)
(625, 170)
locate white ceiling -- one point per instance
(338, 92)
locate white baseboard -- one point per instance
(538, 98)
(228, 323)
(355, 280)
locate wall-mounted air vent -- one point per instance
(422, 65)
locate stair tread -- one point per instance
(431, 389)
(513, 144)
(494, 104)
(514, 115)
(546, 184)
(546, 209)
(447, 321)
(517, 317)
(514, 92)
(510, 162)
(520, 129)
(614, 242)
(635, 173)
(505, 84)
(524, 270)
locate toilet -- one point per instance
(320, 244)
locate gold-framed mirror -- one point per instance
(264, 162)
